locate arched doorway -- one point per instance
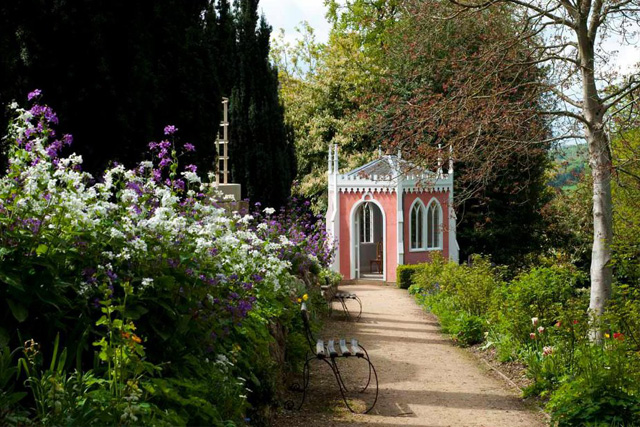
(368, 253)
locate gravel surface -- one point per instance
(424, 379)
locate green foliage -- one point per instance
(405, 274)
(603, 390)
(10, 412)
(626, 220)
(156, 276)
(570, 164)
(459, 295)
(540, 318)
(539, 293)
(202, 392)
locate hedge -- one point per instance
(404, 275)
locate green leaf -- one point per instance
(11, 281)
(41, 249)
(18, 310)
(134, 312)
(13, 398)
(4, 337)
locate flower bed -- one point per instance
(540, 319)
(171, 300)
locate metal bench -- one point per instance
(329, 352)
(342, 298)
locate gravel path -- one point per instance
(424, 379)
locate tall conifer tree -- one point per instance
(262, 153)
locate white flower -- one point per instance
(534, 321)
(268, 211)
(146, 282)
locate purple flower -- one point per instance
(34, 94)
(164, 162)
(178, 184)
(170, 129)
(153, 145)
(189, 147)
(191, 168)
(132, 185)
(112, 275)
(67, 139)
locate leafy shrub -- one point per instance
(404, 275)
(470, 329)
(470, 287)
(427, 277)
(148, 250)
(603, 390)
(540, 293)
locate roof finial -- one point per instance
(399, 153)
(379, 150)
(450, 159)
(330, 161)
(335, 158)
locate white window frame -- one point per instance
(421, 214)
(366, 218)
(434, 225)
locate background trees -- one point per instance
(117, 73)
(393, 76)
(566, 37)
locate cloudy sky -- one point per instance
(288, 14)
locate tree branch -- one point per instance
(527, 5)
(631, 86)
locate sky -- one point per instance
(288, 14)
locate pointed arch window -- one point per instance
(434, 225)
(366, 223)
(417, 225)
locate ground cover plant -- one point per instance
(540, 318)
(136, 297)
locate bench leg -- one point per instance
(343, 388)
(360, 303)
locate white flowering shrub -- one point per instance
(196, 275)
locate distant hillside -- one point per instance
(570, 163)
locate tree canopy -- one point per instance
(117, 72)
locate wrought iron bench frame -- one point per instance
(342, 298)
(327, 353)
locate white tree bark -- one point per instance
(593, 110)
(571, 55)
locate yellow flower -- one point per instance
(607, 336)
(305, 297)
(299, 300)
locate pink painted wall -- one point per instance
(388, 204)
(425, 256)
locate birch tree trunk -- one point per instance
(601, 167)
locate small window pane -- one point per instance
(433, 226)
(417, 226)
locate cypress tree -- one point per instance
(262, 153)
